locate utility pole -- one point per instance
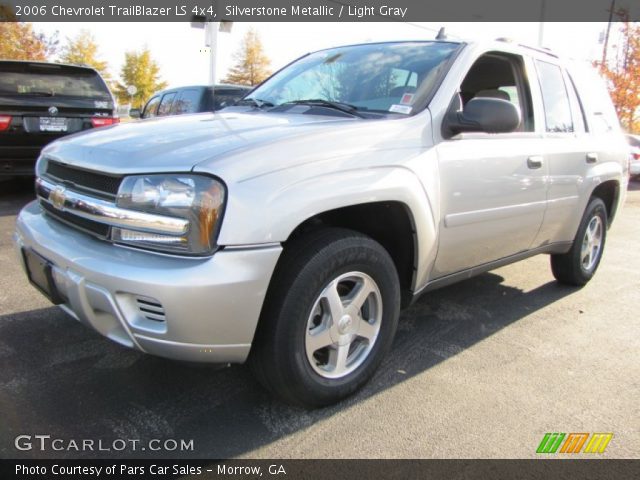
(211, 34)
(605, 47)
(543, 7)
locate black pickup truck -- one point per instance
(41, 102)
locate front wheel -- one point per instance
(578, 265)
(330, 318)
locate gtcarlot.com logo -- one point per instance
(47, 443)
(573, 442)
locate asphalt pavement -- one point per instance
(481, 369)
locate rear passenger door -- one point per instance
(568, 150)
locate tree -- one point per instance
(18, 41)
(622, 73)
(252, 64)
(83, 49)
(141, 71)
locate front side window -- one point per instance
(151, 109)
(165, 104)
(502, 76)
(557, 109)
(384, 78)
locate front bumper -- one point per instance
(208, 307)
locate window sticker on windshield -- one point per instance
(407, 99)
(406, 109)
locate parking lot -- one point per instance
(480, 369)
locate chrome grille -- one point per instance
(84, 180)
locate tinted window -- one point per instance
(188, 101)
(227, 97)
(165, 104)
(151, 109)
(557, 110)
(51, 80)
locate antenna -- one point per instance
(441, 34)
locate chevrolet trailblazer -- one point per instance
(288, 231)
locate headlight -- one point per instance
(195, 198)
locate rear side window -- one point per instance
(31, 80)
(151, 110)
(165, 104)
(188, 101)
(557, 109)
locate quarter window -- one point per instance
(557, 109)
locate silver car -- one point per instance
(291, 229)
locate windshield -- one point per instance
(386, 77)
(50, 82)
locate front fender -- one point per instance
(267, 210)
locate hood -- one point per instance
(179, 143)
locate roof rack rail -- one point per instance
(544, 50)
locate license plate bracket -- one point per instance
(53, 124)
(39, 273)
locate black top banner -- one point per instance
(318, 10)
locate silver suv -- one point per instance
(291, 229)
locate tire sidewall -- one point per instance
(595, 208)
(352, 254)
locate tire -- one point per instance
(289, 356)
(573, 267)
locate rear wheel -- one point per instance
(578, 265)
(329, 319)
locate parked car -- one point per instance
(634, 159)
(41, 102)
(193, 99)
(289, 231)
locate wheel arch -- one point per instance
(390, 223)
(609, 192)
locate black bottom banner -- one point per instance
(584, 469)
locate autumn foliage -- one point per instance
(622, 72)
(251, 63)
(18, 41)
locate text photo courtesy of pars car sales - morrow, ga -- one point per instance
(319, 239)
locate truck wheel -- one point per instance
(330, 317)
(578, 265)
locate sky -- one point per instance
(184, 60)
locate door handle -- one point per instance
(592, 157)
(534, 161)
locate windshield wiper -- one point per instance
(342, 107)
(256, 102)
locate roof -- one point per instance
(37, 62)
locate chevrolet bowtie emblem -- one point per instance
(57, 197)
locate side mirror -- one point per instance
(134, 113)
(490, 115)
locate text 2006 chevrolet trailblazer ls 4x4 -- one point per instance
(290, 229)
